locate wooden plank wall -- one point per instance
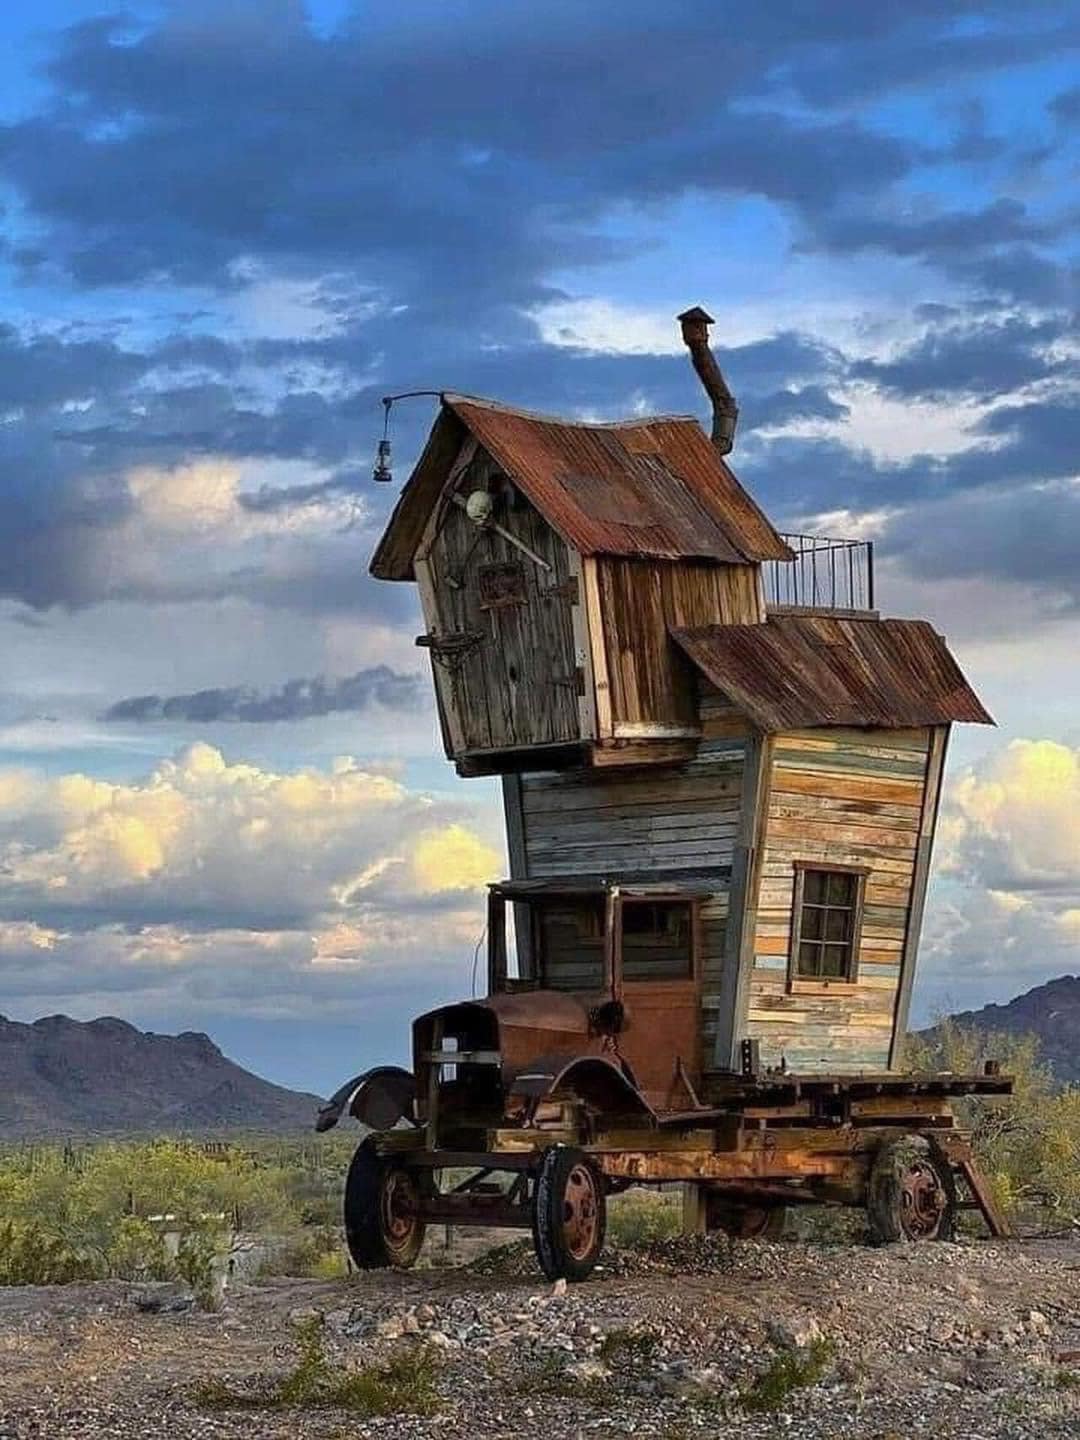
(662, 824)
(848, 797)
(517, 687)
(651, 682)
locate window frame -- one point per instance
(807, 984)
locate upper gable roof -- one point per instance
(800, 671)
(654, 488)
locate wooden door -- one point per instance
(510, 678)
(658, 979)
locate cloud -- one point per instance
(295, 700)
(211, 876)
(1004, 909)
(1014, 824)
(203, 842)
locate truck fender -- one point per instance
(591, 1078)
(378, 1098)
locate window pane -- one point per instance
(834, 961)
(837, 924)
(814, 882)
(657, 941)
(571, 935)
(841, 889)
(809, 959)
(813, 923)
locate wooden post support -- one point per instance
(693, 1209)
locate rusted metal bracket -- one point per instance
(956, 1149)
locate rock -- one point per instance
(559, 1288)
(410, 1325)
(1037, 1323)
(390, 1329)
(164, 1299)
(304, 1315)
(439, 1340)
(795, 1333)
(588, 1371)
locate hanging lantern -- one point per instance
(382, 471)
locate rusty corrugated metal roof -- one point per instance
(654, 488)
(797, 671)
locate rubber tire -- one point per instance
(726, 1216)
(554, 1257)
(368, 1242)
(883, 1190)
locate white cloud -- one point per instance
(225, 877)
(1003, 914)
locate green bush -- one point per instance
(100, 1211)
(31, 1255)
(1028, 1144)
(640, 1216)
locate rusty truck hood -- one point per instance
(551, 1010)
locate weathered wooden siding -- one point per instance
(853, 797)
(516, 686)
(650, 682)
(670, 823)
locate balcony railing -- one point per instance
(825, 574)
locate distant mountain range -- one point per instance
(1051, 1012)
(64, 1077)
(61, 1077)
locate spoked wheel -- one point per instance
(382, 1226)
(745, 1222)
(911, 1194)
(569, 1214)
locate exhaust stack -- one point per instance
(695, 333)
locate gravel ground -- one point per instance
(686, 1338)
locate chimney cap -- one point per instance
(696, 313)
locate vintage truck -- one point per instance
(721, 771)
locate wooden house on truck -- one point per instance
(599, 618)
(721, 771)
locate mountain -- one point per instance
(1051, 1012)
(67, 1077)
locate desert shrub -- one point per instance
(640, 1216)
(137, 1251)
(32, 1255)
(315, 1252)
(197, 1263)
(97, 1211)
(403, 1385)
(791, 1370)
(1028, 1144)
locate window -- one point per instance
(657, 940)
(826, 921)
(571, 943)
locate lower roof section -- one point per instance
(799, 671)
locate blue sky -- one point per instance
(230, 227)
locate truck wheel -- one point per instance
(745, 1222)
(911, 1194)
(381, 1198)
(569, 1214)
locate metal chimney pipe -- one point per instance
(695, 333)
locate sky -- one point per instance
(230, 227)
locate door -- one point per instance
(656, 948)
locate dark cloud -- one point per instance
(984, 356)
(425, 183)
(295, 700)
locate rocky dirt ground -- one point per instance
(684, 1338)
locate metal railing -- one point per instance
(826, 574)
